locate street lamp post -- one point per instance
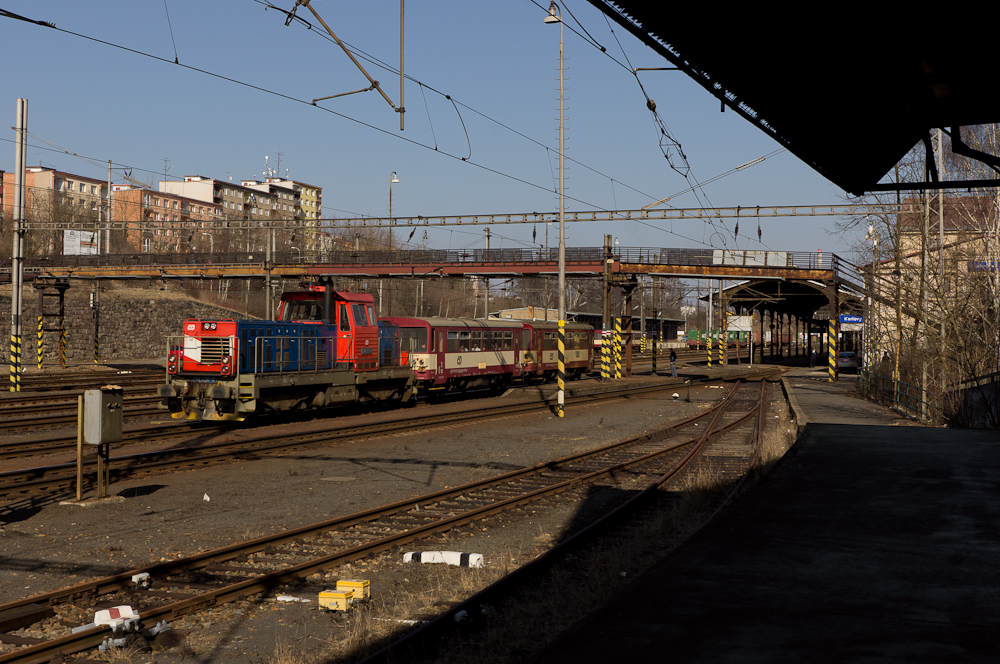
(392, 179)
(211, 243)
(554, 17)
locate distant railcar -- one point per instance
(461, 353)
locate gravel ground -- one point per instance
(46, 545)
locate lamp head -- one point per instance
(393, 178)
(553, 16)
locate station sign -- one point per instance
(851, 318)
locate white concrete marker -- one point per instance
(456, 558)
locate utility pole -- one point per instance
(606, 311)
(941, 174)
(17, 253)
(486, 312)
(108, 217)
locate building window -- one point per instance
(146, 242)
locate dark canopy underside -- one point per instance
(849, 92)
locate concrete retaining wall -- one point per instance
(134, 324)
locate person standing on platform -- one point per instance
(812, 358)
(673, 363)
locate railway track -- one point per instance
(47, 382)
(190, 584)
(62, 477)
(62, 411)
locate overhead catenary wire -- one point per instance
(305, 102)
(287, 97)
(367, 57)
(176, 59)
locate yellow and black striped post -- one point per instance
(721, 347)
(41, 343)
(831, 349)
(561, 371)
(708, 345)
(618, 348)
(605, 356)
(15, 363)
(97, 328)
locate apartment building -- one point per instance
(237, 202)
(50, 192)
(160, 222)
(52, 195)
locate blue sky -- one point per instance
(497, 58)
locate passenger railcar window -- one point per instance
(453, 341)
(413, 339)
(477, 339)
(464, 344)
(508, 340)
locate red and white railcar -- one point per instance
(540, 349)
(459, 353)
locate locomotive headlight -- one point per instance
(209, 326)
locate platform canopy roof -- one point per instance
(847, 88)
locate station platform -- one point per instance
(873, 540)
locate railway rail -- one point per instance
(62, 477)
(26, 415)
(45, 382)
(187, 585)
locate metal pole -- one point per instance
(628, 331)
(561, 373)
(79, 447)
(267, 272)
(402, 78)
(486, 312)
(107, 219)
(17, 253)
(606, 313)
(941, 173)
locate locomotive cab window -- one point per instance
(359, 315)
(345, 321)
(303, 311)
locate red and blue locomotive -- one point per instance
(326, 348)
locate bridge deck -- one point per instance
(692, 263)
